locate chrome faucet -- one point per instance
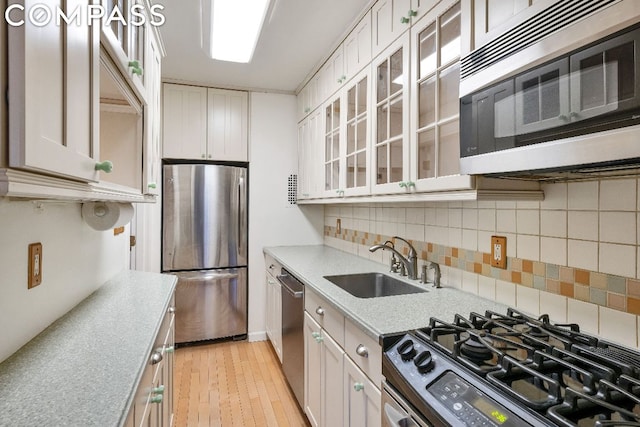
(410, 262)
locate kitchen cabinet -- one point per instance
(390, 127)
(310, 151)
(357, 47)
(205, 123)
(274, 306)
(435, 111)
(391, 18)
(332, 74)
(332, 137)
(488, 19)
(357, 123)
(308, 98)
(363, 399)
(153, 123)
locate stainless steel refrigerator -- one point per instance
(204, 243)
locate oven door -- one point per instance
(396, 412)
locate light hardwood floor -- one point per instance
(233, 384)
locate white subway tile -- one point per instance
(582, 195)
(487, 219)
(584, 314)
(506, 292)
(399, 215)
(332, 210)
(512, 244)
(415, 216)
(553, 223)
(401, 229)
(361, 213)
(618, 227)
(442, 217)
(454, 277)
(470, 218)
(527, 204)
(528, 247)
(487, 287)
(618, 195)
(618, 326)
(583, 225)
(528, 299)
(555, 196)
(430, 216)
(553, 250)
(469, 239)
(390, 229)
(528, 221)
(414, 232)
(554, 305)
(455, 237)
(455, 217)
(582, 254)
(484, 241)
(505, 205)
(346, 211)
(617, 259)
(486, 204)
(506, 220)
(470, 282)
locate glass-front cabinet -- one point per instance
(332, 137)
(435, 135)
(358, 131)
(390, 131)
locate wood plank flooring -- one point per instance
(233, 384)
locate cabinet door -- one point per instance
(151, 184)
(332, 401)
(312, 370)
(227, 128)
(53, 96)
(269, 317)
(357, 47)
(387, 22)
(390, 131)
(277, 318)
(332, 149)
(184, 122)
(362, 399)
(358, 135)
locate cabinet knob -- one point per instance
(106, 166)
(411, 184)
(171, 309)
(158, 390)
(358, 386)
(362, 351)
(402, 184)
(152, 185)
(156, 358)
(156, 399)
(319, 339)
(170, 349)
(320, 311)
(271, 282)
(413, 12)
(135, 67)
(404, 20)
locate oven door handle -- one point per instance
(397, 418)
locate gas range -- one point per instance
(512, 370)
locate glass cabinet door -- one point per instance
(435, 107)
(357, 135)
(391, 126)
(332, 149)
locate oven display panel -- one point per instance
(469, 405)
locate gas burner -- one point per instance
(475, 350)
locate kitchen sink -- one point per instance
(373, 285)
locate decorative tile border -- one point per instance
(607, 290)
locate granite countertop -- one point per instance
(85, 367)
(376, 316)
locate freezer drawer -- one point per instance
(211, 304)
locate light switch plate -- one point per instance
(499, 251)
(35, 265)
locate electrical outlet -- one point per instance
(338, 226)
(35, 265)
(499, 251)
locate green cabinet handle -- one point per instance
(413, 12)
(358, 386)
(106, 166)
(402, 184)
(319, 339)
(136, 68)
(158, 390)
(134, 64)
(156, 399)
(170, 349)
(315, 334)
(404, 20)
(152, 185)
(411, 184)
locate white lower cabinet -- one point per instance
(341, 389)
(274, 314)
(362, 399)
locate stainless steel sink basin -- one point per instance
(372, 285)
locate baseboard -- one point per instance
(257, 336)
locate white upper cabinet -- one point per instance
(153, 124)
(227, 130)
(333, 146)
(357, 122)
(357, 47)
(308, 97)
(184, 122)
(435, 77)
(310, 147)
(332, 74)
(50, 66)
(390, 130)
(389, 19)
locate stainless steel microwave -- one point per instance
(575, 105)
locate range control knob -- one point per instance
(424, 362)
(406, 350)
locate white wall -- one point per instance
(272, 222)
(76, 260)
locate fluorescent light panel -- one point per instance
(235, 27)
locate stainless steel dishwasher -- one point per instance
(293, 333)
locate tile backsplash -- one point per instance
(573, 256)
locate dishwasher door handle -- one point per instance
(286, 287)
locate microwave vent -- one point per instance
(601, 171)
(556, 17)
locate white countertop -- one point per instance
(375, 316)
(84, 368)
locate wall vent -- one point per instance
(556, 17)
(292, 189)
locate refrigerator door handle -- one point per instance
(200, 277)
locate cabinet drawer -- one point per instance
(328, 317)
(370, 357)
(273, 267)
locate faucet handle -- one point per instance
(403, 270)
(423, 273)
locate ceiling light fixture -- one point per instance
(233, 28)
